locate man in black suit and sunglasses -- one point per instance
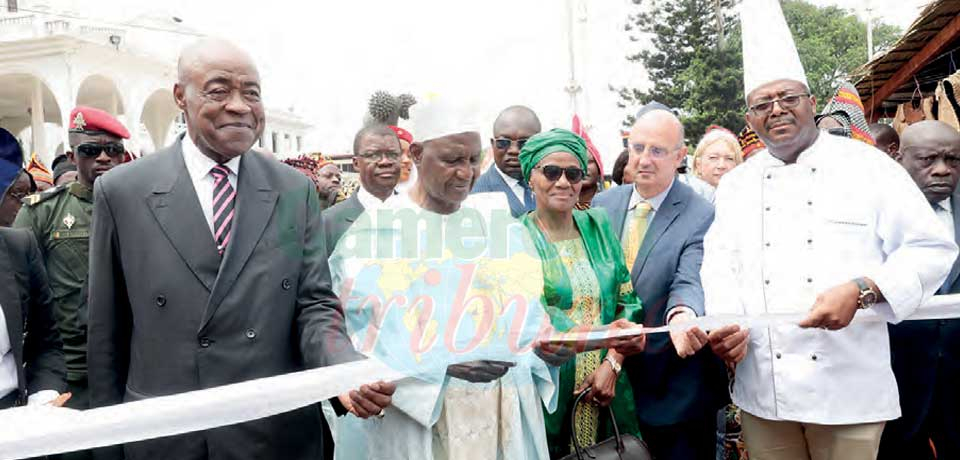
(60, 218)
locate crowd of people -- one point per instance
(208, 263)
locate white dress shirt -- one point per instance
(8, 369)
(371, 202)
(944, 211)
(785, 233)
(512, 183)
(199, 166)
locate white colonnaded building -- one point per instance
(53, 59)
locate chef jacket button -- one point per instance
(161, 300)
(809, 203)
(251, 334)
(766, 282)
(769, 176)
(205, 342)
(809, 280)
(809, 241)
(767, 208)
(813, 170)
(778, 355)
(813, 357)
(285, 284)
(768, 244)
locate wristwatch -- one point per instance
(868, 296)
(614, 364)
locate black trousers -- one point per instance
(9, 400)
(691, 440)
(902, 439)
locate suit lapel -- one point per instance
(620, 203)
(356, 208)
(516, 206)
(668, 212)
(176, 207)
(10, 302)
(12, 310)
(955, 271)
(255, 203)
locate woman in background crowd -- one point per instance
(717, 153)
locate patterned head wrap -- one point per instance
(847, 109)
(39, 171)
(307, 166)
(545, 143)
(750, 143)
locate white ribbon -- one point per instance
(34, 431)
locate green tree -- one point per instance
(696, 66)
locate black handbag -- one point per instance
(618, 447)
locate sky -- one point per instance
(471, 59)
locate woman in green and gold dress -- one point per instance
(586, 285)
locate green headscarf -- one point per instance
(556, 140)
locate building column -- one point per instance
(37, 126)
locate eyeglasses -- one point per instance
(91, 150)
(553, 173)
(655, 151)
(504, 143)
(787, 102)
(377, 156)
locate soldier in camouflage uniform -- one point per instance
(60, 218)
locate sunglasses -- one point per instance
(553, 173)
(504, 143)
(90, 150)
(839, 132)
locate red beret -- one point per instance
(91, 120)
(403, 134)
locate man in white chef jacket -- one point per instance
(820, 224)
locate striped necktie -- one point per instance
(637, 229)
(223, 199)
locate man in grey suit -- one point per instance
(376, 158)
(661, 222)
(511, 129)
(207, 268)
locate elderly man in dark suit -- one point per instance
(511, 129)
(376, 158)
(926, 354)
(207, 268)
(661, 221)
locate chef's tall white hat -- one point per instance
(769, 53)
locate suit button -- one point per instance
(285, 284)
(161, 300)
(251, 334)
(943, 322)
(205, 342)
